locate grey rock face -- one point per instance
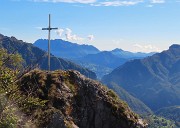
(77, 101)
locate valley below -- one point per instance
(139, 90)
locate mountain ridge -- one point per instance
(85, 55)
(60, 48)
(66, 49)
(130, 55)
(102, 58)
(154, 80)
(77, 101)
(34, 55)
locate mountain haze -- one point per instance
(66, 49)
(33, 55)
(130, 55)
(101, 63)
(154, 80)
(88, 56)
(105, 59)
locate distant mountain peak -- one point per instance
(155, 80)
(66, 49)
(117, 50)
(33, 55)
(174, 46)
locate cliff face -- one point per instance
(76, 101)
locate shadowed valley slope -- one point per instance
(154, 80)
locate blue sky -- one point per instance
(134, 25)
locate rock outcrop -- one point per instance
(74, 101)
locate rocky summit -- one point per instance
(74, 101)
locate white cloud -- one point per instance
(68, 1)
(67, 34)
(60, 32)
(157, 1)
(97, 2)
(119, 3)
(70, 36)
(105, 2)
(90, 37)
(146, 48)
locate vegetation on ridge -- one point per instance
(59, 98)
(77, 100)
(14, 105)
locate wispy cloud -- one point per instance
(68, 1)
(97, 2)
(60, 32)
(146, 48)
(90, 37)
(118, 3)
(157, 1)
(70, 36)
(106, 2)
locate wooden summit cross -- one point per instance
(49, 39)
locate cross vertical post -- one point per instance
(49, 39)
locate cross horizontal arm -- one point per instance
(53, 28)
(48, 28)
(45, 28)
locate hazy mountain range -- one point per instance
(154, 80)
(33, 55)
(66, 49)
(88, 56)
(130, 55)
(146, 84)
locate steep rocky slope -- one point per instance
(76, 101)
(154, 80)
(135, 104)
(33, 55)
